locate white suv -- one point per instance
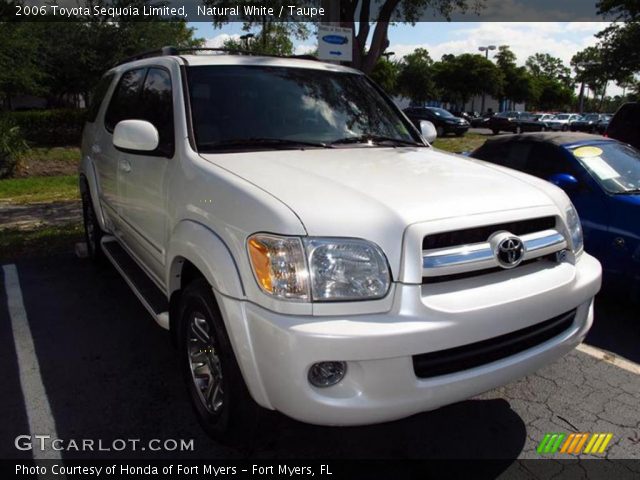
(311, 253)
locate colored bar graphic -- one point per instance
(574, 442)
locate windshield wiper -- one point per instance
(254, 142)
(377, 139)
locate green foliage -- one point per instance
(50, 127)
(386, 74)
(543, 65)
(40, 189)
(463, 76)
(273, 39)
(12, 145)
(415, 79)
(67, 58)
(20, 69)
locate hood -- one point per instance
(375, 193)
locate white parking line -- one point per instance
(609, 358)
(39, 415)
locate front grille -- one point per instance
(482, 234)
(476, 273)
(457, 359)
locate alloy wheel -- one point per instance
(206, 369)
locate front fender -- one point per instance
(202, 247)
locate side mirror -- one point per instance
(428, 130)
(136, 136)
(565, 181)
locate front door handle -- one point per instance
(125, 166)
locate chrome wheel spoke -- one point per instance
(206, 370)
(199, 328)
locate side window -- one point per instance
(156, 106)
(124, 102)
(97, 96)
(545, 160)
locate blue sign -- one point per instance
(335, 52)
(335, 39)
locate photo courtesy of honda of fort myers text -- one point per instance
(331, 239)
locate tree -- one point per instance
(272, 37)
(415, 78)
(460, 77)
(20, 71)
(550, 67)
(274, 40)
(371, 17)
(517, 83)
(620, 40)
(385, 74)
(84, 48)
(591, 71)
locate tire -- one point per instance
(219, 395)
(495, 131)
(565, 128)
(518, 130)
(460, 134)
(440, 132)
(93, 233)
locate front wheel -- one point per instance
(215, 384)
(440, 132)
(495, 131)
(518, 130)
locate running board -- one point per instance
(143, 287)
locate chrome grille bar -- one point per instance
(480, 256)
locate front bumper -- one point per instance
(380, 383)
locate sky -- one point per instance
(560, 39)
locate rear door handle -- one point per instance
(125, 166)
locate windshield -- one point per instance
(275, 107)
(615, 166)
(591, 118)
(562, 116)
(441, 112)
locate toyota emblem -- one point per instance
(509, 251)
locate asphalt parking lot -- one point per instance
(109, 372)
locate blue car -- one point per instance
(602, 178)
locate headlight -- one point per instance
(279, 266)
(346, 269)
(322, 269)
(575, 230)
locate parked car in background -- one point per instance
(563, 121)
(625, 124)
(544, 117)
(515, 122)
(603, 123)
(444, 121)
(602, 178)
(587, 123)
(481, 121)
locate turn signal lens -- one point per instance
(279, 266)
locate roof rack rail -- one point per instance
(169, 51)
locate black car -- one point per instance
(588, 123)
(603, 123)
(515, 122)
(481, 121)
(442, 119)
(625, 124)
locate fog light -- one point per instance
(325, 374)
